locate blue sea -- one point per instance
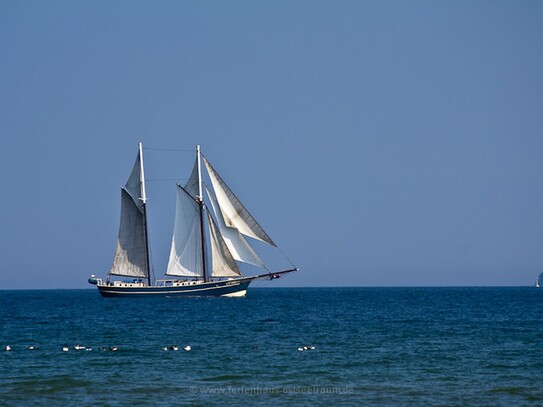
(372, 347)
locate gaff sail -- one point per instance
(131, 258)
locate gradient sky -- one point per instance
(379, 143)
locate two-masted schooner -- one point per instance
(208, 241)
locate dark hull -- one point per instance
(215, 289)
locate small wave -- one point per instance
(48, 386)
(508, 390)
(224, 378)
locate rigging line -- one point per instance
(209, 187)
(165, 179)
(185, 191)
(168, 149)
(152, 265)
(286, 257)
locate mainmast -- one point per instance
(144, 208)
(200, 201)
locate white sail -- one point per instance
(223, 264)
(234, 213)
(131, 255)
(238, 246)
(186, 251)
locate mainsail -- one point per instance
(131, 257)
(186, 251)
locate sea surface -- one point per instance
(373, 347)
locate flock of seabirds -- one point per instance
(187, 348)
(78, 347)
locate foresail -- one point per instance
(186, 250)
(223, 264)
(234, 213)
(238, 246)
(130, 255)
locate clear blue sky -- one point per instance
(382, 143)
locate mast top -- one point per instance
(142, 174)
(198, 154)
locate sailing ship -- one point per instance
(207, 246)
